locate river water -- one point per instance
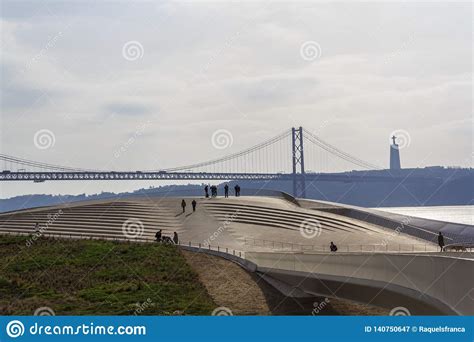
(458, 214)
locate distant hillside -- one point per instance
(454, 186)
(33, 201)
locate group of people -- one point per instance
(166, 239)
(213, 189)
(193, 204)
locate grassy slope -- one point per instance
(79, 277)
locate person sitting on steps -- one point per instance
(158, 235)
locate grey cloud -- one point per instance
(270, 90)
(127, 109)
(16, 94)
(235, 66)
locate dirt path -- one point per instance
(228, 284)
(244, 293)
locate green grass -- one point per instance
(92, 277)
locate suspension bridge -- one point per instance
(284, 157)
(279, 238)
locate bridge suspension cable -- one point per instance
(40, 165)
(235, 156)
(309, 136)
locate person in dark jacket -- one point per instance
(206, 190)
(226, 191)
(183, 205)
(158, 236)
(333, 247)
(441, 241)
(175, 238)
(194, 203)
(237, 190)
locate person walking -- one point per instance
(441, 241)
(194, 203)
(183, 205)
(226, 191)
(236, 191)
(175, 238)
(206, 190)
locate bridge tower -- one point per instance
(299, 187)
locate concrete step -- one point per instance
(291, 214)
(297, 219)
(275, 222)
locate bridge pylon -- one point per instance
(299, 186)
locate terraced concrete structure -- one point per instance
(286, 241)
(102, 219)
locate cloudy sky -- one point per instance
(93, 75)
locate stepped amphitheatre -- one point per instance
(383, 260)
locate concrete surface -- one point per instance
(286, 239)
(424, 284)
